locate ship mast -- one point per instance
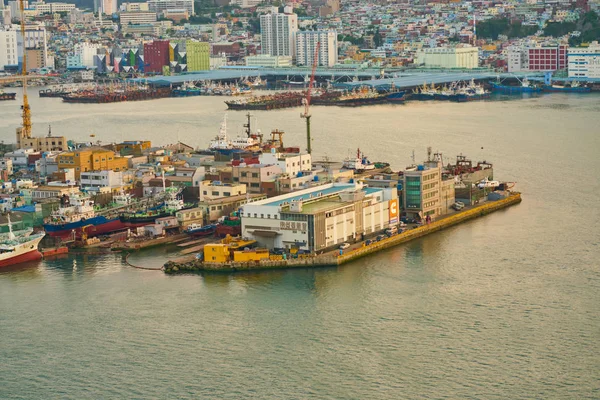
(26, 109)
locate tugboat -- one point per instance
(20, 246)
(7, 95)
(170, 206)
(360, 163)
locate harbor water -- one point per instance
(505, 306)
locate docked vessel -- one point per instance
(199, 230)
(358, 163)
(267, 102)
(7, 95)
(76, 215)
(109, 94)
(229, 226)
(364, 96)
(424, 93)
(573, 87)
(524, 87)
(172, 203)
(57, 92)
(19, 246)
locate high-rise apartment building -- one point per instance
(306, 44)
(156, 56)
(108, 7)
(8, 48)
(198, 55)
(279, 34)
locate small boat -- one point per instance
(7, 95)
(199, 230)
(19, 247)
(574, 87)
(360, 163)
(525, 87)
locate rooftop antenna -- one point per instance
(26, 109)
(428, 153)
(49, 126)
(413, 157)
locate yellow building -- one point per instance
(136, 147)
(91, 159)
(216, 252)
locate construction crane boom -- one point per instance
(306, 113)
(26, 133)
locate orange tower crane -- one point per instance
(26, 109)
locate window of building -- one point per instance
(255, 174)
(244, 174)
(254, 185)
(227, 194)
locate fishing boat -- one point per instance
(76, 214)
(573, 87)
(199, 230)
(358, 163)
(7, 95)
(470, 92)
(222, 144)
(424, 93)
(19, 246)
(524, 87)
(171, 204)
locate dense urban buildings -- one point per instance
(584, 62)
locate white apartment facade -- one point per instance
(137, 18)
(306, 45)
(158, 6)
(291, 164)
(584, 62)
(278, 34)
(9, 53)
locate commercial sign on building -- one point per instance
(293, 226)
(394, 211)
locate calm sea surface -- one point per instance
(504, 307)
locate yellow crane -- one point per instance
(26, 109)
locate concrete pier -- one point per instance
(277, 262)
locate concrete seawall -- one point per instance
(334, 260)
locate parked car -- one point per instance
(344, 246)
(458, 206)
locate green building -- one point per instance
(198, 55)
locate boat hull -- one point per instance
(514, 89)
(99, 226)
(579, 89)
(8, 96)
(32, 255)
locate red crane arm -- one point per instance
(312, 78)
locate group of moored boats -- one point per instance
(457, 91)
(354, 98)
(7, 95)
(526, 87)
(189, 89)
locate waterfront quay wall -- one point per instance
(278, 262)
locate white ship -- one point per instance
(222, 142)
(358, 163)
(19, 247)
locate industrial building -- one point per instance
(321, 217)
(449, 57)
(584, 62)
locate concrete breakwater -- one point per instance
(334, 259)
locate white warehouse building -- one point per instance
(449, 57)
(584, 62)
(321, 217)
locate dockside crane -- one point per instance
(26, 128)
(306, 101)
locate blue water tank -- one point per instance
(399, 186)
(316, 178)
(299, 174)
(420, 168)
